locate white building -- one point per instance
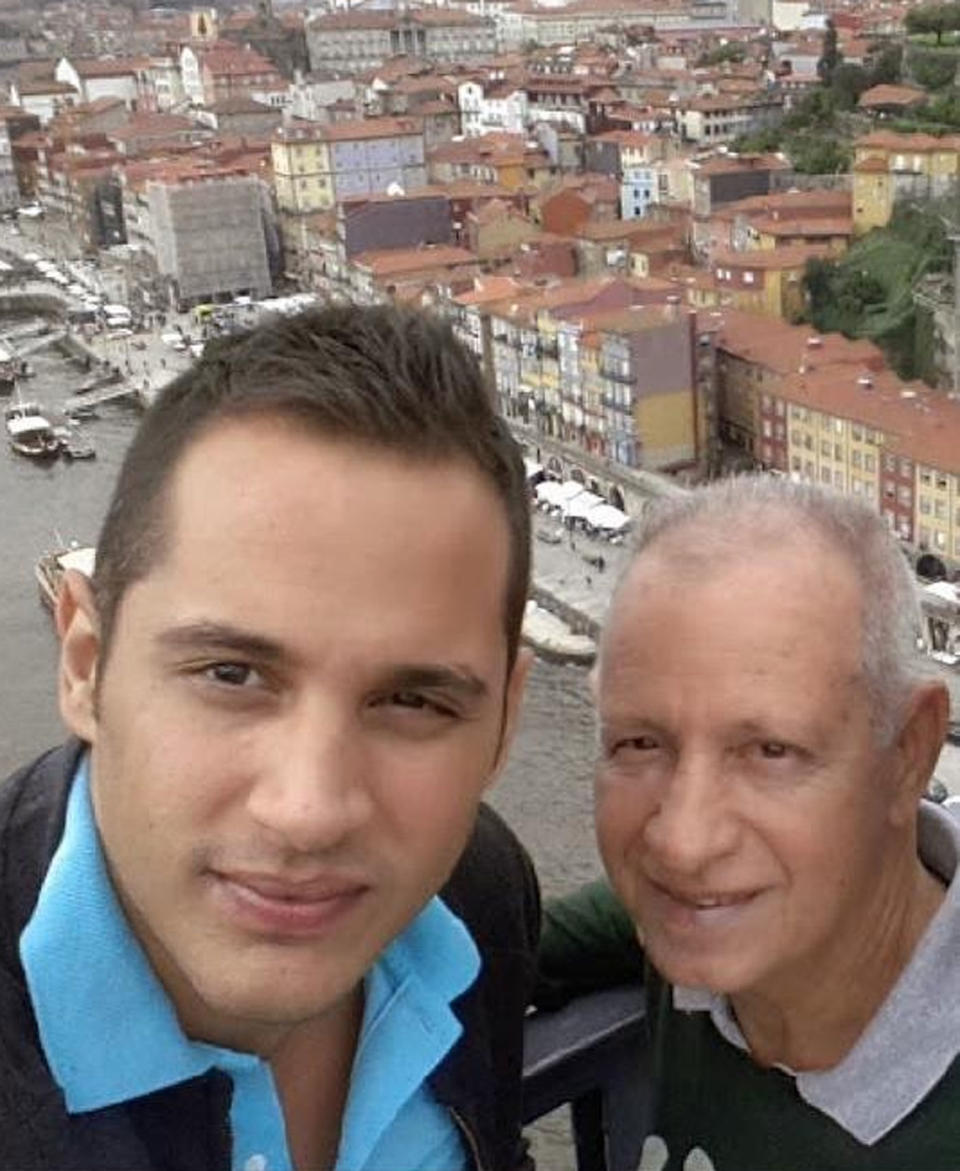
(492, 106)
(94, 79)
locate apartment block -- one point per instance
(209, 236)
(360, 39)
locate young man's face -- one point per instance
(302, 706)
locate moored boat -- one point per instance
(30, 432)
(51, 567)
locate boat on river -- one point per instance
(51, 567)
(30, 432)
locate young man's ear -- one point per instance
(512, 703)
(918, 747)
(79, 632)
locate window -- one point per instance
(942, 482)
(903, 496)
(856, 432)
(925, 505)
(869, 462)
(749, 278)
(926, 477)
(940, 509)
(825, 475)
(838, 426)
(890, 464)
(837, 452)
(940, 538)
(906, 471)
(856, 459)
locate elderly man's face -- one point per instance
(744, 807)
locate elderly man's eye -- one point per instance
(773, 750)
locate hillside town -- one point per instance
(683, 236)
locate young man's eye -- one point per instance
(416, 701)
(232, 674)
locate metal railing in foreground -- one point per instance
(591, 1054)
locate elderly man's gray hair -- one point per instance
(735, 516)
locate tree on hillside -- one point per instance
(847, 84)
(831, 56)
(933, 18)
(887, 66)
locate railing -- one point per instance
(591, 1054)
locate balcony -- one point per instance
(616, 374)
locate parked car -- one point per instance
(953, 732)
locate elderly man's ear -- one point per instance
(918, 748)
(79, 632)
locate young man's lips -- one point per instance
(277, 904)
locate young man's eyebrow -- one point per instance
(458, 679)
(220, 637)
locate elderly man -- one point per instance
(291, 680)
(768, 726)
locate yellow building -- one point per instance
(301, 170)
(889, 166)
(765, 281)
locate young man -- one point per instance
(768, 727)
(292, 678)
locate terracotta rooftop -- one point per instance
(406, 260)
(98, 67)
(787, 225)
(359, 19)
(767, 259)
(782, 347)
(892, 95)
(789, 203)
(916, 421)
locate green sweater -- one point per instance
(715, 1108)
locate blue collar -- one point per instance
(110, 1033)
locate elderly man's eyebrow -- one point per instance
(219, 637)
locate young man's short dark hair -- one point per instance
(381, 375)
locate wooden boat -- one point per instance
(51, 567)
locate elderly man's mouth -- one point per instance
(691, 910)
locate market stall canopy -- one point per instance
(605, 516)
(580, 507)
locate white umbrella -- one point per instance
(605, 516)
(548, 492)
(580, 507)
(569, 489)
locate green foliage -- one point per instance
(770, 138)
(887, 65)
(815, 154)
(735, 51)
(831, 56)
(932, 70)
(935, 19)
(869, 291)
(847, 84)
